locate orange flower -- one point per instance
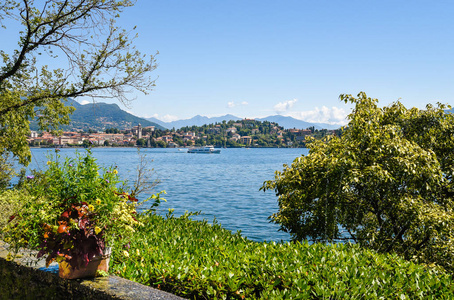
(62, 228)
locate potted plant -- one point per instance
(76, 211)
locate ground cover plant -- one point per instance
(198, 260)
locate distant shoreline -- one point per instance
(123, 146)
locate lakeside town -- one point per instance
(241, 133)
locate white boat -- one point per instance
(205, 149)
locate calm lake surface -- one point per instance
(224, 186)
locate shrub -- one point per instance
(386, 183)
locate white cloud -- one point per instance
(284, 106)
(166, 118)
(83, 102)
(232, 104)
(146, 116)
(169, 118)
(333, 115)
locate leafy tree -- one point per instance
(199, 142)
(386, 183)
(153, 143)
(86, 143)
(178, 140)
(95, 58)
(161, 144)
(112, 130)
(141, 142)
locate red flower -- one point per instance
(65, 215)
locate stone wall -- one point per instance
(27, 278)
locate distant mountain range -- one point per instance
(99, 116)
(194, 121)
(286, 122)
(289, 122)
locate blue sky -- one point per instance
(258, 58)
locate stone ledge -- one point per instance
(27, 278)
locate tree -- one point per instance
(161, 144)
(112, 130)
(141, 142)
(199, 142)
(386, 183)
(87, 143)
(95, 59)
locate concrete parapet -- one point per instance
(27, 278)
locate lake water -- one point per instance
(224, 186)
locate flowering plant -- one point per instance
(76, 210)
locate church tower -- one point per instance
(139, 131)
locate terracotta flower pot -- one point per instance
(101, 263)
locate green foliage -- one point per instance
(141, 142)
(112, 130)
(386, 183)
(95, 59)
(86, 143)
(11, 201)
(6, 170)
(198, 260)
